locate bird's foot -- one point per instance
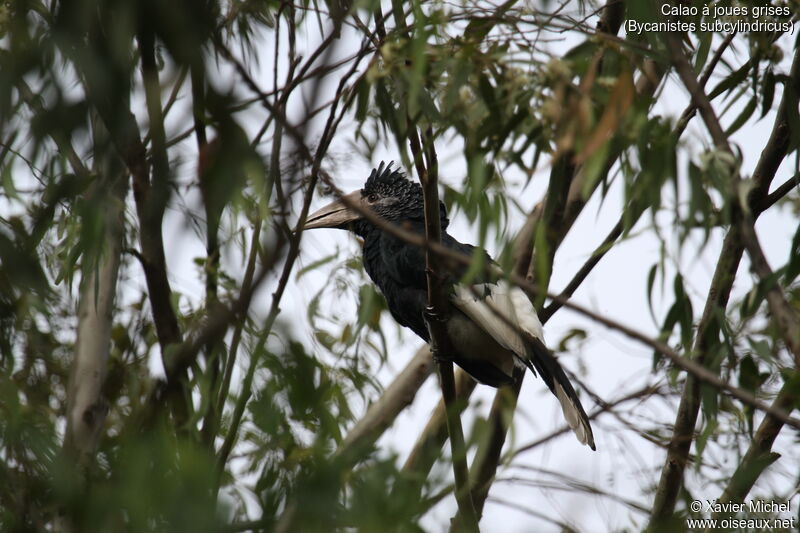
(439, 356)
(437, 330)
(432, 316)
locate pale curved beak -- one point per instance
(336, 214)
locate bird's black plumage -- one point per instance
(486, 346)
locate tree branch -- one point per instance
(438, 309)
(86, 408)
(782, 312)
(722, 281)
(434, 435)
(759, 456)
(152, 198)
(397, 396)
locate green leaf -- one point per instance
(762, 348)
(7, 183)
(702, 51)
(582, 54)
(731, 81)
(371, 305)
(651, 279)
(316, 264)
(709, 396)
(593, 168)
(388, 112)
(362, 100)
(576, 334)
(743, 116)
(479, 27)
(767, 92)
(684, 312)
(793, 266)
(749, 378)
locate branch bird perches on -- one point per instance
(491, 324)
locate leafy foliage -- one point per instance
(156, 157)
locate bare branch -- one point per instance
(86, 408)
(433, 437)
(644, 392)
(397, 396)
(441, 346)
(783, 189)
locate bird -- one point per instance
(491, 324)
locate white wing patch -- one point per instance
(573, 417)
(502, 313)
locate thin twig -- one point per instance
(151, 198)
(691, 109)
(645, 391)
(440, 343)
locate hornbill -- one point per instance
(491, 325)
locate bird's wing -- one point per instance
(505, 313)
(502, 311)
(405, 263)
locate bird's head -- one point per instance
(387, 192)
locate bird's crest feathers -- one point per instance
(385, 181)
(388, 181)
(387, 177)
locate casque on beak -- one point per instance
(336, 214)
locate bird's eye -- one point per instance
(372, 198)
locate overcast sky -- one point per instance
(611, 365)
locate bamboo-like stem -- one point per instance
(440, 343)
(86, 408)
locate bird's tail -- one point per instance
(541, 361)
